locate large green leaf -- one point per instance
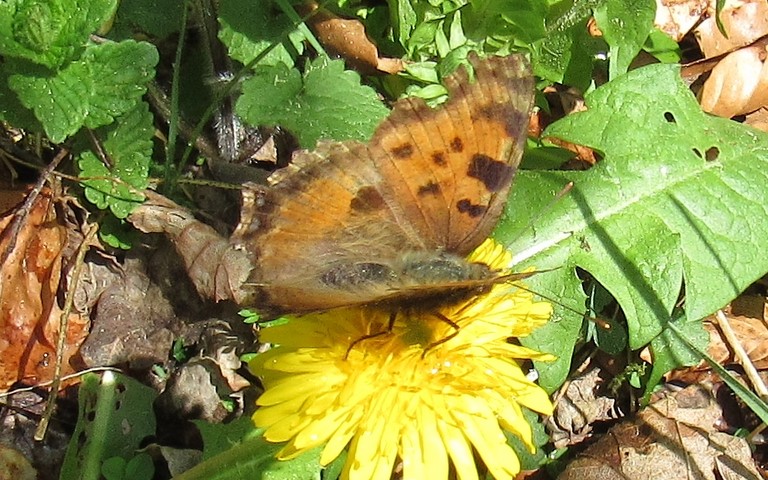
(107, 81)
(327, 102)
(52, 32)
(115, 417)
(679, 195)
(127, 144)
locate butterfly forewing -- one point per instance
(338, 227)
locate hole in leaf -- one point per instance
(712, 153)
(669, 117)
(697, 152)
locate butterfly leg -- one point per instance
(455, 332)
(390, 324)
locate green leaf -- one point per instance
(663, 47)
(127, 145)
(107, 81)
(625, 25)
(115, 416)
(159, 18)
(249, 32)
(52, 32)
(500, 23)
(672, 349)
(237, 450)
(218, 437)
(679, 194)
(528, 460)
(327, 102)
(565, 54)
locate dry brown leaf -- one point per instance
(738, 84)
(31, 279)
(346, 38)
(758, 119)
(751, 332)
(744, 21)
(677, 17)
(671, 439)
(218, 270)
(581, 404)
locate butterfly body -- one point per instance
(391, 220)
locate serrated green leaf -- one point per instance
(52, 32)
(248, 32)
(679, 194)
(107, 81)
(128, 145)
(626, 25)
(12, 110)
(328, 102)
(115, 416)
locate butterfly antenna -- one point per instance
(600, 322)
(558, 196)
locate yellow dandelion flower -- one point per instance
(385, 399)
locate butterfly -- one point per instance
(390, 221)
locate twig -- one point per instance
(741, 355)
(42, 427)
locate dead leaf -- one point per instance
(580, 405)
(35, 246)
(677, 17)
(744, 21)
(673, 438)
(218, 270)
(758, 119)
(738, 84)
(347, 39)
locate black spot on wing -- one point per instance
(403, 151)
(430, 188)
(494, 174)
(457, 145)
(438, 158)
(367, 199)
(473, 210)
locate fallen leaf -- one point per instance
(35, 251)
(581, 404)
(677, 17)
(738, 84)
(347, 39)
(672, 438)
(744, 21)
(218, 270)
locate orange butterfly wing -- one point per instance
(430, 180)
